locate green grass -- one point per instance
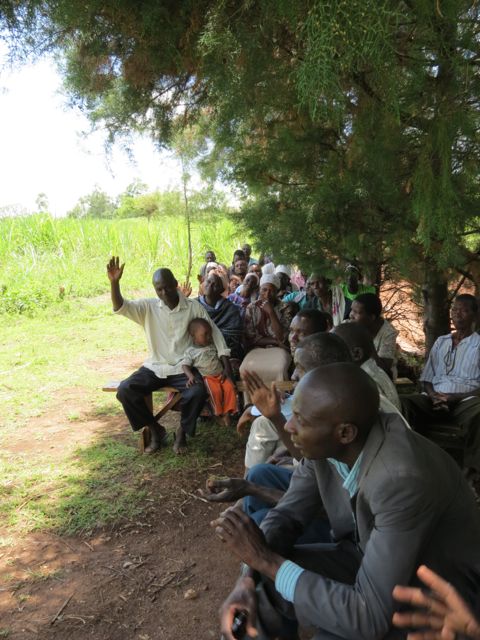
(97, 485)
(46, 261)
(54, 359)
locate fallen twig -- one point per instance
(34, 497)
(192, 495)
(55, 617)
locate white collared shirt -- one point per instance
(454, 370)
(166, 331)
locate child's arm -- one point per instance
(187, 370)
(227, 368)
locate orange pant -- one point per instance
(223, 395)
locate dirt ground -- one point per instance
(160, 577)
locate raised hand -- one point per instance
(114, 270)
(185, 288)
(442, 612)
(266, 400)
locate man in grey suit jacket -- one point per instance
(394, 501)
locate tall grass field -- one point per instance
(46, 260)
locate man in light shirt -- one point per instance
(165, 320)
(360, 343)
(451, 383)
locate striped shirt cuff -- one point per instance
(287, 578)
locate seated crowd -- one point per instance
(343, 498)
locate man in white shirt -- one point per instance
(451, 382)
(165, 321)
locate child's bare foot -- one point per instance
(180, 444)
(225, 420)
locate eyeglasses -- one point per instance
(449, 360)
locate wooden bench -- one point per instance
(450, 437)
(173, 398)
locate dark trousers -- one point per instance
(132, 391)
(276, 477)
(419, 412)
(276, 616)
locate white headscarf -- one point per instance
(270, 279)
(284, 268)
(268, 269)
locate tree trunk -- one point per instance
(436, 305)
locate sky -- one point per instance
(43, 149)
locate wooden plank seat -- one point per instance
(450, 437)
(405, 385)
(447, 435)
(172, 399)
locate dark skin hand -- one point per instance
(189, 373)
(243, 537)
(185, 288)
(276, 326)
(268, 403)
(242, 598)
(227, 369)
(244, 421)
(114, 273)
(446, 400)
(233, 489)
(442, 611)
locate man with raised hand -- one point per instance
(165, 321)
(393, 500)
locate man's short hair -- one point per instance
(371, 303)
(467, 297)
(165, 274)
(197, 322)
(316, 319)
(325, 348)
(239, 254)
(356, 335)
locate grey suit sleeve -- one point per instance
(404, 516)
(295, 510)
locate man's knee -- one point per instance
(123, 390)
(259, 472)
(196, 392)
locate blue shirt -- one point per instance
(289, 572)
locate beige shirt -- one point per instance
(385, 386)
(385, 343)
(205, 359)
(166, 331)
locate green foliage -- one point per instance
(350, 126)
(97, 204)
(46, 261)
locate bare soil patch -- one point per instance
(126, 581)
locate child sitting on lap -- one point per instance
(204, 357)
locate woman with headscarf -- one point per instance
(267, 322)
